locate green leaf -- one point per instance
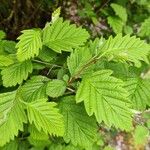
(95, 45)
(6, 103)
(55, 88)
(116, 24)
(2, 34)
(126, 48)
(141, 134)
(5, 61)
(120, 11)
(78, 59)
(9, 47)
(14, 114)
(38, 138)
(61, 36)
(80, 129)
(16, 73)
(128, 29)
(29, 45)
(34, 89)
(56, 14)
(13, 145)
(47, 54)
(58, 146)
(104, 96)
(45, 117)
(145, 28)
(139, 92)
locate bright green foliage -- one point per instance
(6, 103)
(63, 36)
(7, 47)
(56, 14)
(104, 96)
(57, 146)
(16, 73)
(80, 129)
(34, 89)
(139, 92)
(47, 54)
(120, 11)
(145, 28)
(55, 88)
(140, 135)
(38, 139)
(116, 24)
(5, 61)
(45, 117)
(2, 34)
(14, 117)
(126, 48)
(12, 145)
(74, 100)
(95, 45)
(78, 59)
(29, 45)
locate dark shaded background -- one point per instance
(16, 15)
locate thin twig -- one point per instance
(71, 90)
(46, 63)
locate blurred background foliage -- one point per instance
(100, 18)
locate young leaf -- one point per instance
(116, 24)
(120, 11)
(56, 14)
(61, 36)
(29, 45)
(145, 28)
(45, 117)
(34, 89)
(55, 88)
(139, 92)
(11, 108)
(80, 129)
(16, 73)
(126, 48)
(104, 96)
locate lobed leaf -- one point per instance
(61, 36)
(80, 129)
(14, 117)
(139, 92)
(29, 45)
(126, 48)
(105, 97)
(45, 117)
(16, 73)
